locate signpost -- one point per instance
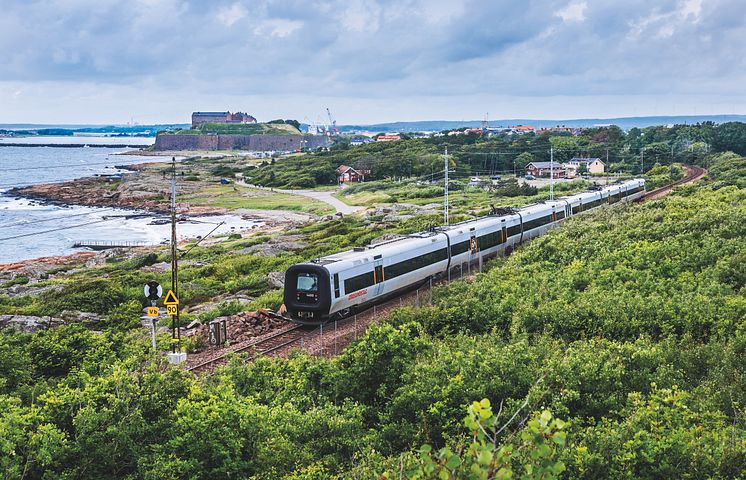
(171, 303)
(172, 308)
(153, 292)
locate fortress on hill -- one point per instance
(200, 118)
(238, 131)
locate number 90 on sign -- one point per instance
(172, 309)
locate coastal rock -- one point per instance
(276, 279)
(241, 297)
(162, 267)
(397, 218)
(274, 247)
(157, 268)
(83, 317)
(28, 323)
(376, 212)
(385, 238)
(100, 258)
(30, 290)
(398, 207)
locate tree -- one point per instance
(521, 161)
(534, 454)
(730, 136)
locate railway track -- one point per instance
(333, 337)
(264, 345)
(692, 175)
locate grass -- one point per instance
(224, 196)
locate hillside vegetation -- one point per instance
(241, 129)
(628, 153)
(613, 347)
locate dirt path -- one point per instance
(320, 195)
(326, 197)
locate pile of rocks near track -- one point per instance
(240, 327)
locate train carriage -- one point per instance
(337, 285)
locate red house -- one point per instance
(349, 174)
(388, 138)
(544, 169)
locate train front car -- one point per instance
(308, 296)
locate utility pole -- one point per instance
(551, 173)
(175, 329)
(445, 199)
(642, 161)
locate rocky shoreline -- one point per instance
(100, 192)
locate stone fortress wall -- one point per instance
(255, 143)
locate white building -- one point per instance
(592, 165)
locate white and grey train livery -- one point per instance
(338, 285)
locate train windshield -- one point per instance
(307, 283)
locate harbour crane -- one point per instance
(333, 130)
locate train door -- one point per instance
(378, 277)
(568, 210)
(473, 249)
(504, 237)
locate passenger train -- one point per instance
(341, 284)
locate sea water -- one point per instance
(31, 229)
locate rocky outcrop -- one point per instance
(28, 323)
(241, 297)
(30, 290)
(276, 246)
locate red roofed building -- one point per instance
(523, 128)
(347, 174)
(388, 138)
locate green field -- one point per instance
(225, 196)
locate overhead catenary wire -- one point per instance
(63, 217)
(69, 227)
(68, 165)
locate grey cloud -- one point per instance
(378, 48)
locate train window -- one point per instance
(307, 283)
(514, 230)
(336, 285)
(537, 222)
(416, 263)
(359, 282)
(459, 248)
(489, 240)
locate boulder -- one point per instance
(276, 279)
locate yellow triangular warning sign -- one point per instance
(171, 299)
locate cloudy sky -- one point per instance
(151, 61)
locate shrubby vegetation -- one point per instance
(611, 348)
(473, 154)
